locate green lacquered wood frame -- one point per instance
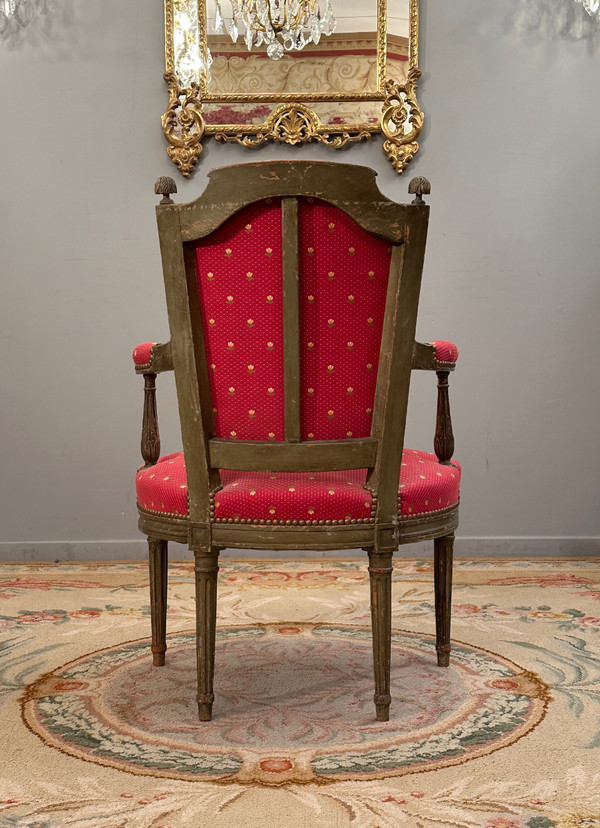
(354, 191)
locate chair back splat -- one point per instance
(292, 292)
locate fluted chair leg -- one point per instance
(380, 572)
(158, 559)
(443, 553)
(206, 569)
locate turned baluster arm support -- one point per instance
(150, 443)
(443, 442)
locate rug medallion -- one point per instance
(294, 703)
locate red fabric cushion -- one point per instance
(445, 351)
(300, 497)
(143, 352)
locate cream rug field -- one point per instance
(507, 737)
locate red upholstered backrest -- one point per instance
(343, 273)
(239, 279)
(343, 284)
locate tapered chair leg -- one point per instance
(442, 562)
(380, 572)
(206, 569)
(158, 558)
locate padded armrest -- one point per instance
(445, 352)
(435, 356)
(152, 358)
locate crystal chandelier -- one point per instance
(279, 24)
(579, 19)
(16, 14)
(592, 7)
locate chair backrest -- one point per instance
(292, 291)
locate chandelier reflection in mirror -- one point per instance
(191, 68)
(281, 25)
(592, 7)
(17, 14)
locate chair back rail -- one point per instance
(323, 455)
(353, 191)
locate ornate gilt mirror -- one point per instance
(293, 71)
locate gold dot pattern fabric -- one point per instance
(343, 273)
(238, 271)
(343, 284)
(301, 497)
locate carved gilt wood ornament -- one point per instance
(351, 85)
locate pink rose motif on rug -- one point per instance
(293, 704)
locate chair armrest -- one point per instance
(437, 355)
(152, 358)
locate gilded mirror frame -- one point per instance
(292, 120)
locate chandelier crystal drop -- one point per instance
(17, 14)
(592, 7)
(281, 25)
(190, 66)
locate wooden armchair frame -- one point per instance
(404, 226)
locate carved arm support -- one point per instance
(150, 359)
(443, 442)
(439, 357)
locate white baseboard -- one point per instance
(467, 547)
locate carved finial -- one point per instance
(165, 186)
(419, 186)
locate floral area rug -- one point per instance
(507, 737)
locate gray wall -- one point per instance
(511, 147)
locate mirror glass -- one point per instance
(344, 63)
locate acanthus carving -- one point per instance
(295, 124)
(183, 125)
(401, 110)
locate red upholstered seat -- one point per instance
(301, 498)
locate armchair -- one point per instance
(292, 292)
